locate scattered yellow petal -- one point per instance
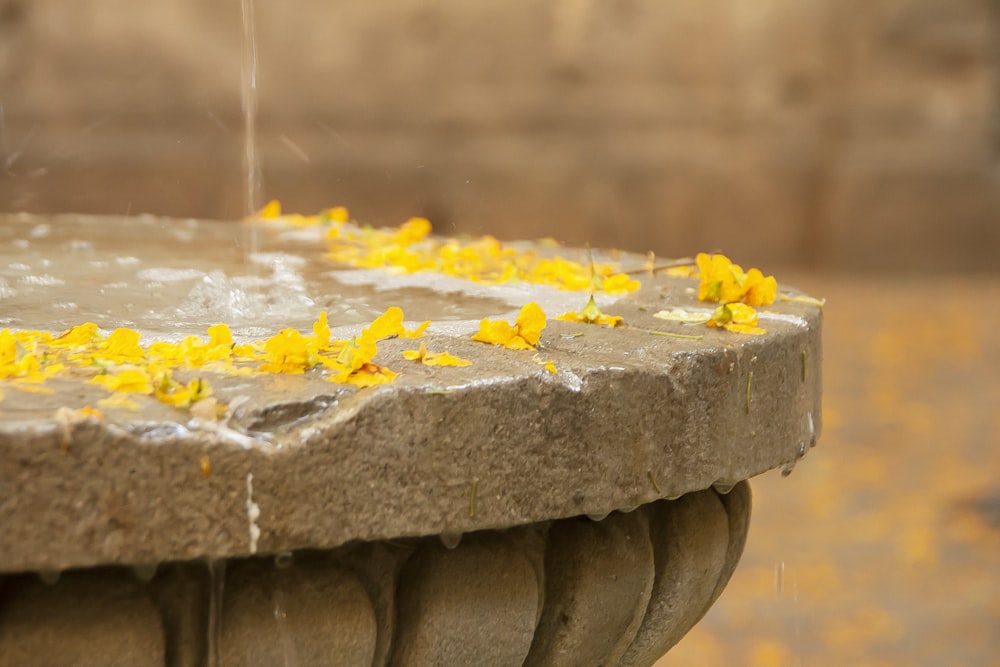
(387, 325)
(591, 314)
(338, 214)
(523, 335)
(130, 380)
(418, 332)
(725, 282)
(271, 210)
(736, 317)
(220, 334)
(434, 358)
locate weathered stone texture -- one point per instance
(599, 577)
(474, 604)
(98, 618)
(690, 538)
(300, 613)
(618, 591)
(844, 134)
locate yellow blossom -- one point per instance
(736, 317)
(434, 358)
(121, 347)
(337, 214)
(79, 336)
(725, 282)
(287, 352)
(591, 314)
(618, 283)
(220, 334)
(321, 331)
(271, 210)
(418, 332)
(523, 335)
(369, 375)
(387, 325)
(171, 392)
(130, 380)
(759, 290)
(413, 230)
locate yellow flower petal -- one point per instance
(416, 355)
(220, 334)
(530, 322)
(444, 359)
(388, 324)
(271, 210)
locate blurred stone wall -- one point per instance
(812, 133)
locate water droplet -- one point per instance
(450, 540)
(628, 508)
(284, 560)
(49, 577)
(787, 469)
(145, 572)
(723, 487)
(599, 516)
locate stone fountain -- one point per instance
(584, 502)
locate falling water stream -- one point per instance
(248, 97)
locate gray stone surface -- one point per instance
(629, 417)
(99, 618)
(690, 539)
(567, 590)
(304, 613)
(599, 577)
(474, 604)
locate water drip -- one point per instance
(145, 572)
(723, 487)
(216, 588)
(49, 577)
(450, 540)
(284, 560)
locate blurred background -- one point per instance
(851, 147)
(814, 133)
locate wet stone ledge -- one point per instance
(583, 498)
(618, 591)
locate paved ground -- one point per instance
(883, 547)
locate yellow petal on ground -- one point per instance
(130, 380)
(444, 359)
(759, 290)
(495, 332)
(591, 314)
(530, 322)
(321, 330)
(388, 324)
(736, 317)
(418, 332)
(122, 346)
(416, 355)
(220, 334)
(79, 336)
(271, 210)
(338, 214)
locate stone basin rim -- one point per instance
(627, 418)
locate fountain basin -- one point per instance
(502, 457)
